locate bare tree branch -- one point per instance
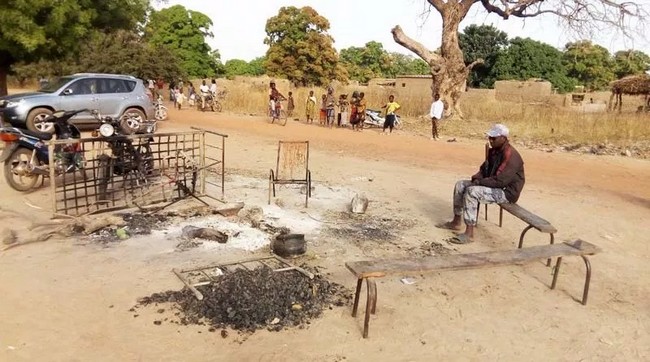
(438, 4)
(474, 63)
(434, 60)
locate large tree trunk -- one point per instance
(448, 67)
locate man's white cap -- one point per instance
(498, 130)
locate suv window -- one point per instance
(84, 86)
(55, 85)
(108, 85)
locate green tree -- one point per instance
(364, 63)
(300, 48)
(34, 29)
(590, 64)
(403, 64)
(527, 58)
(482, 42)
(184, 32)
(257, 66)
(629, 62)
(448, 66)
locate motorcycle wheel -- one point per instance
(146, 159)
(18, 163)
(218, 107)
(161, 114)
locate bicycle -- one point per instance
(278, 113)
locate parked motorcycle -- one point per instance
(160, 110)
(374, 119)
(131, 161)
(212, 103)
(26, 156)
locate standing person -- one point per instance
(361, 110)
(213, 88)
(499, 180)
(160, 84)
(310, 107)
(353, 109)
(391, 108)
(344, 107)
(290, 105)
(330, 106)
(204, 91)
(191, 92)
(323, 110)
(437, 110)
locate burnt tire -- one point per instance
(34, 121)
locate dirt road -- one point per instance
(69, 300)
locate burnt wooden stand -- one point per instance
(371, 269)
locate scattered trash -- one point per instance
(452, 140)
(230, 209)
(193, 232)
(408, 281)
(121, 234)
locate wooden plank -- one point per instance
(382, 267)
(529, 218)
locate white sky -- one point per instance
(239, 25)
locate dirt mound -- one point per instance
(247, 300)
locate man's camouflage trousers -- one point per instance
(467, 198)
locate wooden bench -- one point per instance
(529, 218)
(368, 270)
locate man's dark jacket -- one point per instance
(504, 169)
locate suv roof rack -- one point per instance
(105, 74)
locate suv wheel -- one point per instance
(35, 120)
(131, 120)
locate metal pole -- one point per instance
(50, 151)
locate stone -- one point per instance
(230, 209)
(9, 236)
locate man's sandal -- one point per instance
(461, 239)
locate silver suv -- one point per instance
(113, 95)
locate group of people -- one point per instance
(177, 91)
(350, 112)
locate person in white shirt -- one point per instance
(437, 110)
(204, 90)
(213, 87)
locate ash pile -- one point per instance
(248, 300)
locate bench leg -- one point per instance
(371, 303)
(356, 297)
(585, 292)
(500, 216)
(548, 262)
(523, 234)
(556, 272)
(486, 216)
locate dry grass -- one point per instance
(543, 123)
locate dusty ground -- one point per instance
(69, 299)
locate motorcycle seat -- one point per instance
(40, 135)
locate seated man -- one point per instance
(499, 180)
(204, 91)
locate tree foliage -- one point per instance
(373, 61)
(235, 67)
(527, 58)
(184, 33)
(300, 49)
(482, 42)
(629, 62)
(33, 29)
(450, 73)
(590, 64)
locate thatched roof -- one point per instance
(632, 85)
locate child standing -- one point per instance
(391, 108)
(323, 110)
(344, 105)
(361, 111)
(290, 105)
(330, 103)
(310, 107)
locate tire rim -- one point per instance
(133, 120)
(41, 126)
(19, 170)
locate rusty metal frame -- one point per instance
(273, 174)
(186, 275)
(185, 154)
